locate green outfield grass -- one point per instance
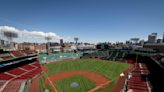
(83, 84)
(109, 69)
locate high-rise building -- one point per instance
(61, 42)
(154, 34)
(159, 40)
(152, 38)
(163, 38)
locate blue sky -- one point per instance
(90, 20)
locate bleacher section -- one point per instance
(113, 55)
(159, 59)
(102, 54)
(120, 56)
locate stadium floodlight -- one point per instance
(76, 39)
(135, 40)
(10, 35)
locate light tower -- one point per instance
(76, 39)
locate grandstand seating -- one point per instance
(109, 54)
(29, 52)
(101, 54)
(16, 71)
(6, 56)
(120, 56)
(17, 53)
(106, 55)
(130, 61)
(4, 76)
(157, 57)
(2, 82)
(27, 67)
(12, 77)
(16, 76)
(113, 55)
(30, 74)
(138, 81)
(13, 86)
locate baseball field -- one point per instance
(83, 75)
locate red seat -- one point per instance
(27, 67)
(13, 86)
(4, 76)
(16, 71)
(17, 53)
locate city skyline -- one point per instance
(91, 21)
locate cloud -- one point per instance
(33, 34)
(8, 28)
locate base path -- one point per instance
(99, 80)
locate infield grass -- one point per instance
(83, 84)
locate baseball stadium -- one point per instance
(99, 70)
(81, 45)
